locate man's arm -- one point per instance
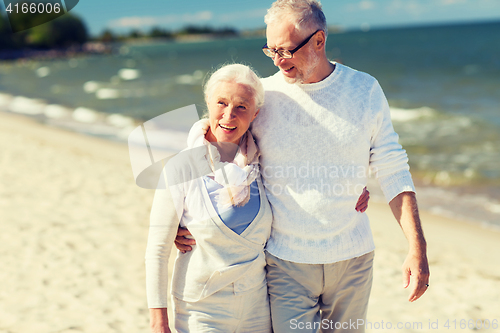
(183, 243)
(389, 162)
(415, 267)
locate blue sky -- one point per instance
(123, 15)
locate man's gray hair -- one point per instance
(236, 73)
(307, 14)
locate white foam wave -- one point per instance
(189, 79)
(55, 111)
(129, 74)
(119, 120)
(25, 105)
(85, 115)
(43, 71)
(478, 208)
(493, 207)
(91, 86)
(108, 93)
(402, 115)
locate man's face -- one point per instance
(301, 68)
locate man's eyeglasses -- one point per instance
(286, 54)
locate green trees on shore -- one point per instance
(27, 31)
(62, 32)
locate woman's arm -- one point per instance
(162, 231)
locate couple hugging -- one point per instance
(270, 239)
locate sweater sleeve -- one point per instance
(388, 159)
(163, 227)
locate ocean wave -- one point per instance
(79, 119)
(25, 105)
(467, 203)
(402, 115)
(85, 115)
(43, 71)
(128, 74)
(449, 149)
(56, 111)
(190, 79)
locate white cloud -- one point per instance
(145, 21)
(406, 7)
(362, 5)
(452, 2)
(237, 16)
(197, 17)
(188, 18)
(366, 5)
(133, 21)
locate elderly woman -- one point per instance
(218, 195)
(217, 192)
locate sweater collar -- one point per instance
(321, 84)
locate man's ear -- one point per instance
(320, 40)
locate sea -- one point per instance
(442, 83)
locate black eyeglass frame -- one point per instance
(273, 52)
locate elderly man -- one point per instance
(322, 127)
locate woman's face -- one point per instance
(231, 110)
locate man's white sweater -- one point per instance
(317, 142)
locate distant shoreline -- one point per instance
(88, 48)
(100, 47)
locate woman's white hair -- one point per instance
(307, 14)
(236, 73)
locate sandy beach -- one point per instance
(74, 231)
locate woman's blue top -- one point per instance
(235, 218)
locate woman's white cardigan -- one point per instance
(220, 256)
